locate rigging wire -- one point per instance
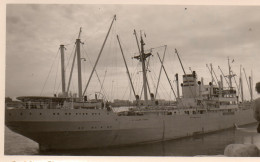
(105, 94)
(49, 72)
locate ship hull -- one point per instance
(101, 128)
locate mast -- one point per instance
(167, 76)
(160, 72)
(177, 84)
(73, 62)
(247, 81)
(221, 86)
(142, 57)
(215, 74)
(212, 78)
(241, 84)
(229, 76)
(144, 69)
(250, 85)
(62, 69)
(211, 73)
(100, 52)
(79, 68)
(126, 66)
(223, 75)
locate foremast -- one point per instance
(142, 57)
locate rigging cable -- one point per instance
(49, 72)
(105, 94)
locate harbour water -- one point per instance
(207, 144)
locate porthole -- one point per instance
(76, 113)
(30, 113)
(53, 113)
(40, 113)
(65, 113)
(58, 113)
(21, 113)
(69, 113)
(10, 114)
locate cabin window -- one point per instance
(10, 114)
(40, 113)
(53, 113)
(76, 113)
(21, 113)
(69, 113)
(65, 113)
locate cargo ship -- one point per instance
(75, 122)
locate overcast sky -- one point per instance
(201, 34)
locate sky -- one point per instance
(201, 34)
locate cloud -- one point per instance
(202, 35)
